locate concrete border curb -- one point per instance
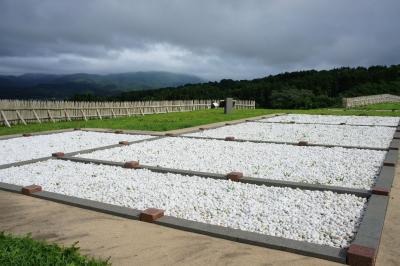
(284, 244)
(299, 247)
(370, 230)
(324, 124)
(4, 166)
(249, 180)
(291, 143)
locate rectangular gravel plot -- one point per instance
(332, 119)
(341, 135)
(317, 217)
(27, 148)
(353, 168)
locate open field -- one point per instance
(171, 121)
(315, 188)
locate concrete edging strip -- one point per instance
(327, 124)
(250, 180)
(284, 244)
(299, 247)
(370, 230)
(291, 143)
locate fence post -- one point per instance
(98, 114)
(50, 117)
(20, 117)
(36, 116)
(83, 114)
(67, 115)
(5, 119)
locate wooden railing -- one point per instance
(15, 111)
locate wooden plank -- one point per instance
(50, 116)
(113, 114)
(5, 119)
(83, 114)
(67, 115)
(36, 116)
(141, 111)
(98, 114)
(127, 112)
(20, 117)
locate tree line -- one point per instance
(297, 90)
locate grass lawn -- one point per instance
(15, 250)
(380, 106)
(170, 121)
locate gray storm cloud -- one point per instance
(212, 39)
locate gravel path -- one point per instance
(377, 137)
(27, 148)
(330, 166)
(317, 217)
(333, 119)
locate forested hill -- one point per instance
(303, 89)
(48, 86)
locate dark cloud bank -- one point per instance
(211, 39)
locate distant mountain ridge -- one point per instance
(49, 86)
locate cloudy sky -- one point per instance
(212, 39)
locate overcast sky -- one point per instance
(212, 39)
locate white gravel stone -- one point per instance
(333, 119)
(318, 217)
(375, 137)
(27, 148)
(317, 165)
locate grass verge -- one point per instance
(171, 121)
(16, 250)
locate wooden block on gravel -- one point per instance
(132, 165)
(381, 191)
(27, 135)
(302, 143)
(230, 138)
(234, 176)
(124, 142)
(28, 190)
(58, 154)
(360, 256)
(151, 214)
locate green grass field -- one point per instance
(171, 121)
(15, 250)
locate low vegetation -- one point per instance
(171, 121)
(16, 250)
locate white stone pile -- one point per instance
(318, 217)
(27, 148)
(333, 119)
(354, 168)
(343, 135)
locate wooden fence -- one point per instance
(19, 111)
(371, 99)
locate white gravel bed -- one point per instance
(376, 137)
(317, 165)
(318, 217)
(28, 148)
(333, 119)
